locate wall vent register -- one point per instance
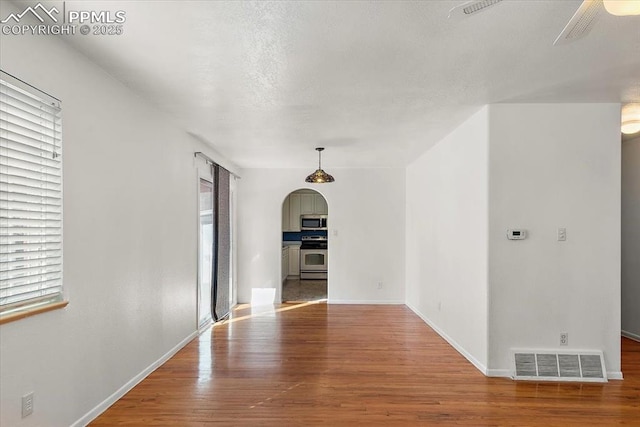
(583, 366)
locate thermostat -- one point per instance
(516, 234)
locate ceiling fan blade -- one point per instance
(581, 22)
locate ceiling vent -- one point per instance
(582, 366)
(581, 22)
(471, 8)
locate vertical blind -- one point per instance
(30, 196)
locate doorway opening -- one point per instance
(305, 247)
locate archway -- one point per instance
(304, 269)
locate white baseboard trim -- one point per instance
(104, 405)
(505, 373)
(614, 375)
(502, 373)
(364, 302)
(631, 336)
(475, 362)
(204, 326)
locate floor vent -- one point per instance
(584, 366)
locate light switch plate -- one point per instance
(27, 405)
(562, 234)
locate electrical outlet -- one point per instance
(564, 338)
(27, 405)
(379, 285)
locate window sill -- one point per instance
(32, 311)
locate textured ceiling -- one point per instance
(376, 83)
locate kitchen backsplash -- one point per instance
(296, 236)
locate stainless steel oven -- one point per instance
(313, 257)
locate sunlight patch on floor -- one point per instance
(264, 310)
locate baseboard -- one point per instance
(501, 373)
(614, 375)
(364, 302)
(631, 336)
(205, 326)
(104, 405)
(505, 373)
(475, 362)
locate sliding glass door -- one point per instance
(205, 249)
(215, 252)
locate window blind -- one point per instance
(30, 196)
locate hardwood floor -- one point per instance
(319, 364)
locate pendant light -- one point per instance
(622, 7)
(630, 119)
(319, 176)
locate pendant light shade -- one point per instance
(630, 119)
(622, 7)
(319, 176)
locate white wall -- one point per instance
(631, 238)
(129, 243)
(537, 167)
(554, 165)
(366, 207)
(447, 220)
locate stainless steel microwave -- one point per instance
(313, 222)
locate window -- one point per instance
(30, 199)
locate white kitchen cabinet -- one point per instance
(294, 260)
(294, 212)
(286, 219)
(285, 262)
(307, 204)
(320, 205)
